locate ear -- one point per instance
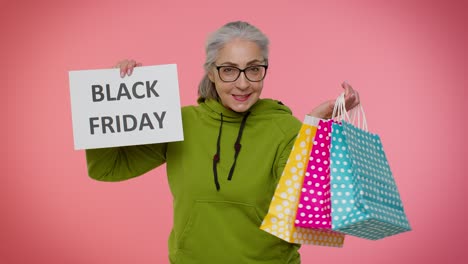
(211, 76)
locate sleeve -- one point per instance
(122, 163)
(283, 158)
(309, 121)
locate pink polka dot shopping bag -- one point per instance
(314, 208)
(281, 215)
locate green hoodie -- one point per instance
(216, 220)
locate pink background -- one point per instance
(408, 59)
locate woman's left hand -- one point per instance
(325, 110)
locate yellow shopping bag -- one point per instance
(281, 215)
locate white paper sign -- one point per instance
(110, 111)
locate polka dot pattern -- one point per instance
(314, 209)
(279, 220)
(365, 200)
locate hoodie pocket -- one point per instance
(228, 232)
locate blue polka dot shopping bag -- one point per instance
(365, 199)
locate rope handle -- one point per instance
(357, 113)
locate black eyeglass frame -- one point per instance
(241, 71)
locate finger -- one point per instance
(131, 65)
(126, 67)
(123, 67)
(345, 85)
(358, 100)
(348, 89)
(348, 93)
(351, 103)
(351, 96)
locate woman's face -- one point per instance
(241, 94)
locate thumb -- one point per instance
(346, 87)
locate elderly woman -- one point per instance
(223, 175)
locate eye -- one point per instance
(227, 69)
(255, 69)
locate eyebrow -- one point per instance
(248, 63)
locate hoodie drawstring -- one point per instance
(216, 156)
(237, 145)
(237, 148)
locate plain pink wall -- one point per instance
(408, 59)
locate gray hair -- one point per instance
(217, 40)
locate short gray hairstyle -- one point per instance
(217, 40)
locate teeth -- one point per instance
(241, 98)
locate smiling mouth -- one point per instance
(241, 98)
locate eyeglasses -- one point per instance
(253, 73)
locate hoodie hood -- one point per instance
(218, 112)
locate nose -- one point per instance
(242, 82)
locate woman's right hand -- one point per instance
(126, 67)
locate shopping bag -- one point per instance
(314, 208)
(279, 220)
(365, 199)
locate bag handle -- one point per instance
(340, 114)
(339, 111)
(358, 113)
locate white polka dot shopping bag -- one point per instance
(365, 199)
(279, 220)
(314, 209)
